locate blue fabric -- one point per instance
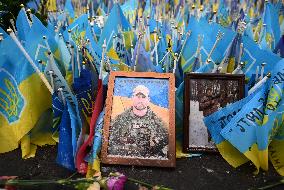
(23, 26)
(65, 150)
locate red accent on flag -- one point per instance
(81, 164)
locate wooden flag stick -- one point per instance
(20, 46)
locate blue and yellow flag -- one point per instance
(36, 45)
(270, 34)
(217, 121)
(69, 10)
(241, 130)
(129, 10)
(257, 129)
(78, 30)
(273, 119)
(115, 19)
(19, 109)
(209, 33)
(253, 57)
(231, 59)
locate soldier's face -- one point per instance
(140, 101)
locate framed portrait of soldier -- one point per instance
(205, 94)
(139, 125)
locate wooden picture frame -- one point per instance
(132, 136)
(203, 95)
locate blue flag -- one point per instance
(65, 155)
(5, 35)
(253, 57)
(144, 63)
(69, 9)
(115, 19)
(270, 34)
(23, 25)
(279, 49)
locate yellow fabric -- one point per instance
(179, 153)
(90, 172)
(152, 37)
(147, 44)
(28, 149)
(234, 157)
(129, 38)
(263, 159)
(215, 7)
(96, 164)
(37, 100)
(93, 168)
(121, 66)
(140, 12)
(51, 5)
(69, 78)
(231, 65)
(276, 155)
(112, 54)
(252, 154)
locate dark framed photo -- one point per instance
(205, 94)
(139, 127)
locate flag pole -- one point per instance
(72, 61)
(183, 45)
(78, 60)
(219, 37)
(1, 37)
(238, 70)
(51, 78)
(60, 90)
(20, 46)
(137, 51)
(262, 70)
(102, 60)
(175, 62)
(257, 85)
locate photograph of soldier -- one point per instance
(138, 131)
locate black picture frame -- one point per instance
(205, 93)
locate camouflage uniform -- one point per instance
(131, 135)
